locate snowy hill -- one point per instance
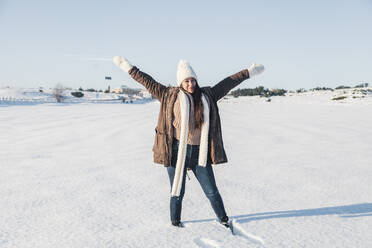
(327, 97)
(30, 96)
(24, 96)
(81, 175)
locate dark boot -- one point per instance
(177, 223)
(225, 221)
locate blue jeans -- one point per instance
(205, 177)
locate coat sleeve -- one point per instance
(222, 88)
(156, 89)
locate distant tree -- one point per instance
(301, 90)
(362, 85)
(321, 88)
(342, 87)
(277, 92)
(91, 90)
(258, 91)
(81, 89)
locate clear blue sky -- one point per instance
(303, 44)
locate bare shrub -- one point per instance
(58, 92)
(339, 98)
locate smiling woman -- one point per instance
(189, 84)
(188, 134)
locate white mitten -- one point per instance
(255, 69)
(122, 63)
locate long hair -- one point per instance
(198, 106)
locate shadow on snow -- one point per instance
(347, 211)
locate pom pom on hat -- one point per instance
(184, 70)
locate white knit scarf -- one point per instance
(182, 147)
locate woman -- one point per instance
(188, 134)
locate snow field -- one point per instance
(82, 176)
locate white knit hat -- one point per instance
(184, 71)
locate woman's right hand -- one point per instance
(255, 69)
(122, 63)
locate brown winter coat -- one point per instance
(167, 96)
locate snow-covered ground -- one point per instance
(81, 175)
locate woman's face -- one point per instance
(189, 84)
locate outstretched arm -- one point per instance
(222, 88)
(156, 89)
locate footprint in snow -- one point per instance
(239, 230)
(207, 243)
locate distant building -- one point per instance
(126, 90)
(120, 90)
(117, 91)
